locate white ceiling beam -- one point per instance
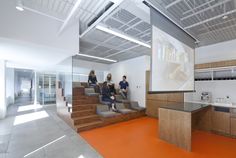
(173, 3)
(217, 24)
(70, 15)
(210, 19)
(113, 7)
(205, 26)
(172, 19)
(96, 8)
(41, 13)
(201, 5)
(205, 9)
(220, 29)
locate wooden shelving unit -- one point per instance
(224, 70)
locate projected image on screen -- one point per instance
(172, 63)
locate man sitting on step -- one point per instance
(124, 87)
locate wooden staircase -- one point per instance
(82, 114)
(84, 110)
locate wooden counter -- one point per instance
(176, 122)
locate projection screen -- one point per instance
(172, 63)
(172, 60)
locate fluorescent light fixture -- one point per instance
(107, 30)
(99, 58)
(19, 5)
(81, 75)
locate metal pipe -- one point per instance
(210, 19)
(205, 9)
(38, 12)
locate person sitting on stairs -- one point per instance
(111, 84)
(108, 97)
(92, 81)
(124, 85)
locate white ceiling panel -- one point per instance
(210, 21)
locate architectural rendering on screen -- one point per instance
(172, 63)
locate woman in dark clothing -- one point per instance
(107, 97)
(111, 84)
(92, 81)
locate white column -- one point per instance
(2, 89)
(35, 88)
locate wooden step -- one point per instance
(85, 101)
(88, 126)
(84, 97)
(83, 107)
(82, 113)
(86, 119)
(78, 91)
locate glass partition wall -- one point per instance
(71, 81)
(64, 89)
(46, 88)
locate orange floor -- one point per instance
(139, 139)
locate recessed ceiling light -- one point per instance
(107, 30)
(19, 6)
(225, 17)
(95, 57)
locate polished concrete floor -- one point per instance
(37, 132)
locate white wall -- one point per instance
(32, 40)
(218, 89)
(2, 89)
(81, 69)
(217, 52)
(10, 86)
(90, 65)
(35, 28)
(135, 70)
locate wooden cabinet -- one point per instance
(154, 101)
(153, 107)
(175, 97)
(220, 121)
(233, 126)
(216, 64)
(160, 97)
(233, 122)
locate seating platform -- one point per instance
(90, 92)
(88, 111)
